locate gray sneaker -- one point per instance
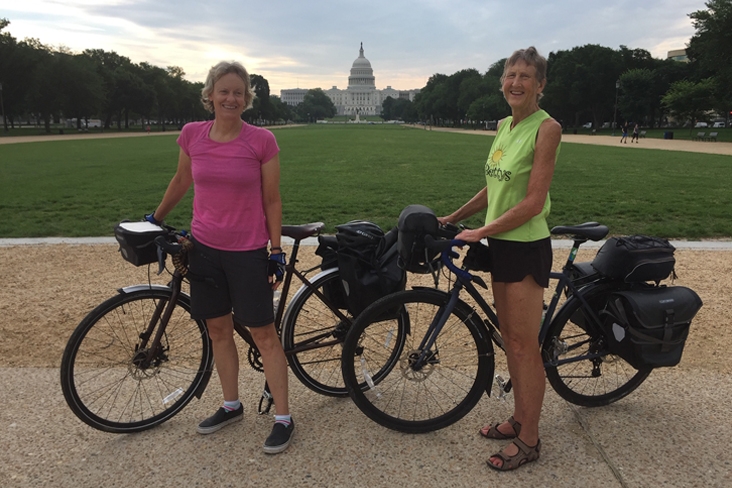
(220, 419)
(280, 437)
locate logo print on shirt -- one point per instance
(493, 169)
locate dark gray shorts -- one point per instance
(233, 281)
(513, 261)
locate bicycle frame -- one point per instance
(464, 280)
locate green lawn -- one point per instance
(339, 173)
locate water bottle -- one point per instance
(276, 300)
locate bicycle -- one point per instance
(138, 358)
(448, 359)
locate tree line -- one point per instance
(45, 84)
(590, 83)
(598, 84)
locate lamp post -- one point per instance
(2, 107)
(615, 110)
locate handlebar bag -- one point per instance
(136, 241)
(415, 222)
(649, 327)
(635, 259)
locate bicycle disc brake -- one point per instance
(255, 359)
(407, 365)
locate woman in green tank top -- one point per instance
(518, 174)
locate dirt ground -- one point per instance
(48, 289)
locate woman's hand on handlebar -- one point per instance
(470, 235)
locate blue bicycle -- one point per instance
(447, 358)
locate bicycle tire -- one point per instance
(308, 320)
(105, 387)
(446, 388)
(590, 382)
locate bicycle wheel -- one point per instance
(102, 377)
(313, 328)
(588, 382)
(457, 371)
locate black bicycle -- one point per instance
(138, 358)
(447, 360)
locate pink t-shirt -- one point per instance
(228, 213)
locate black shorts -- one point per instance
(232, 281)
(513, 261)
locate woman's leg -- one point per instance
(226, 356)
(519, 307)
(275, 365)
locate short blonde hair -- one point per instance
(215, 74)
(531, 57)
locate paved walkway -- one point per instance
(724, 148)
(664, 144)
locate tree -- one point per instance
(262, 109)
(710, 49)
(398, 109)
(637, 99)
(80, 86)
(316, 105)
(581, 84)
(688, 101)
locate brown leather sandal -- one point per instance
(494, 433)
(525, 454)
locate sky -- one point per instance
(312, 44)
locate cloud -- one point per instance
(309, 44)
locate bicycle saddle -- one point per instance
(299, 232)
(589, 230)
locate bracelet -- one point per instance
(275, 249)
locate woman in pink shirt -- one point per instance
(237, 211)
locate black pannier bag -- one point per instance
(367, 262)
(333, 290)
(649, 327)
(415, 222)
(136, 241)
(635, 259)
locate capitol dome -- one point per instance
(362, 75)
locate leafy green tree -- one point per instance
(398, 109)
(282, 111)
(637, 99)
(581, 84)
(17, 71)
(710, 49)
(81, 88)
(262, 109)
(316, 105)
(688, 101)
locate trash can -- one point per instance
(668, 134)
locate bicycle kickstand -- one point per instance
(265, 398)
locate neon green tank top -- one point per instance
(507, 176)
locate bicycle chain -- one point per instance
(255, 359)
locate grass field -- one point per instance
(339, 173)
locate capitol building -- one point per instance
(360, 98)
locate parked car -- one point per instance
(588, 125)
(701, 124)
(717, 125)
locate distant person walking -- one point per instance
(634, 137)
(624, 139)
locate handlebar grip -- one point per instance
(169, 247)
(442, 245)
